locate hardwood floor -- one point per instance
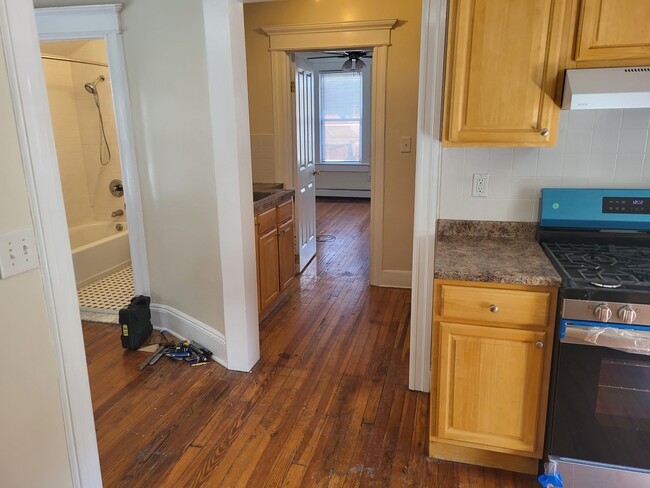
(328, 403)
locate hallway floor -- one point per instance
(328, 403)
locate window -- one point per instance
(340, 117)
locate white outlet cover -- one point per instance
(17, 252)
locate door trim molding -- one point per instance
(427, 180)
(36, 138)
(284, 39)
(102, 22)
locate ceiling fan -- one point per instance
(354, 61)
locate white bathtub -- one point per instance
(98, 249)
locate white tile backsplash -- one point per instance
(602, 148)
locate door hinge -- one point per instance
(292, 86)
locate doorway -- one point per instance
(358, 35)
(80, 98)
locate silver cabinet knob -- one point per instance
(627, 314)
(602, 312)
(544, 132)
(539, 345)
(494, 308)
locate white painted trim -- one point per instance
(317, 37)
(78, 22)
(343, 167)
(230, 129)
(329, 192)
(282, 118)
(333, 35)
(186, 327)
(343, 27)
(427, 177)
(102, 21)
(394, 278)
(34, 124)
(377, 163)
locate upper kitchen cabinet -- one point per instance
(503, 58)
(612, 32)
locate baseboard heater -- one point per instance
(344, 193)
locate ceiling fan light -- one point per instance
(347, 66)
(359, 65)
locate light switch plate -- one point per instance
(17, 252)
(405, 144)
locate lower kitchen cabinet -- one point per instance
(491, 356)
(275, 255)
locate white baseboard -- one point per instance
(188, 328)
(393, 278)
(325, 192)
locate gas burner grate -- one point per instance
(609, 266)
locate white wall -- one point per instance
(164, 45)
(596, 148)
(33, 450)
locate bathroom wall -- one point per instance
(33, 451)
(596, 148)
(76, 130)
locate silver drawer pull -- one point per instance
(539, 345)
(494, 308)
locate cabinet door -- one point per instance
(502, 66)
(614, 30)
(269, 279)
(491, 386)
(286, 254)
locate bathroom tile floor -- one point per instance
(100, 301)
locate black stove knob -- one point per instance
(627, 314)
(602, 312)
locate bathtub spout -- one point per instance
(117, 213)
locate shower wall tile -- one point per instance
(65, 124)
(603, 148)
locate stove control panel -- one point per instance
(626, 205)
(624, 313)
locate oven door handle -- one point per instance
(626, 340)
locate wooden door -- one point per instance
(502, 65)
(269, 279)
(613, 30)
(490, 387)
(305, 168)
(285, 250)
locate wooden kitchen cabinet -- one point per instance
(502, 66)
(612, 32)
(491, 356)
(275, 254)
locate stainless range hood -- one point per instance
(607, 88)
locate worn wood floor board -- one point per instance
(327, 405)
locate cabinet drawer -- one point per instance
(285, 211)
(265, 221)
(495, 305)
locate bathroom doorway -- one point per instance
(81, 106)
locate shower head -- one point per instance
(92, 87)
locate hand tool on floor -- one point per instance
(153, 358)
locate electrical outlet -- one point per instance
(480, 186)
(17, 252)
(405, 144)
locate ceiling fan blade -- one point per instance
(327, 57)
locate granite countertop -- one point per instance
(492, 252)
(277, 194)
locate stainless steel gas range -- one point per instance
(599, 410)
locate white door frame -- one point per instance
(36, 138)
(427, 181)
(375, 34)
(102, 22)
